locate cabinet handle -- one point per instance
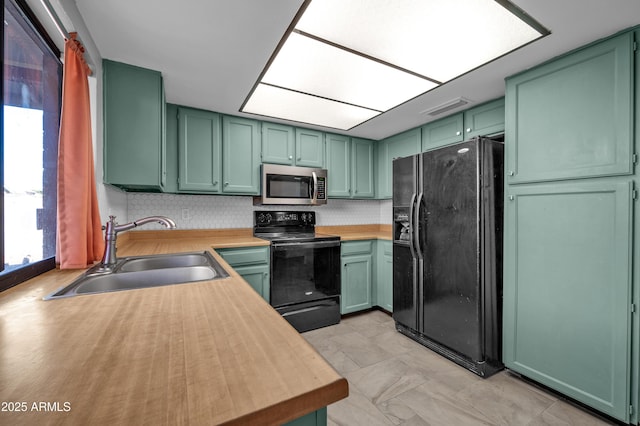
(299, 158)
(291, 157)
(511, 173)
(215, 183)
(226, 184)
(468, 129)
(457, 133)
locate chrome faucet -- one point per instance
(111, 233)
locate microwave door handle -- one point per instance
(314, 187)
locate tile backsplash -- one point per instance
(211, 212)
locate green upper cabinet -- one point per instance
(241, 155)
(171, 140)
(292, 146)
(401, 145)
(445, 131)
(362, 161)
(309, 148)
(338, 165)
(350, 165)
(278, 144)
(484, 120)
(567, 289)
(573, 117)
(134, 144)
(199, 151)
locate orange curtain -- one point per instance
(79, 236)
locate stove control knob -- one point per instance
(268, 217)
(261, 218)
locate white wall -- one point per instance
(213, 212)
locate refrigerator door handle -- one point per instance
(416, 226)
(412, 205)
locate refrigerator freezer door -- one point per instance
(449, 237)
(405, 264)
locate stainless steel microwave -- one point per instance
(292, 185)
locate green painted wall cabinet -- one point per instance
(350, 165)
(134, 128)
(570, 254)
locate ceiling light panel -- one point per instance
(282, 103)
(306, 65)
(434, 38)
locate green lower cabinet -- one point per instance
(567, 289)
(356, 279)
(257, 277)
(384, 278)
(317, 418)
(252, 263)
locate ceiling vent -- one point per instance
(447, 106)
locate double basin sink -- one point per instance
(143, 272)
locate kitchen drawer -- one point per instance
(245, 255)
(356, 247)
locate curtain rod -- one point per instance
(55, 18)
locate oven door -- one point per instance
(304, 271)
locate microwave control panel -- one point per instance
(322, 188)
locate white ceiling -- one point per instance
(212, 52)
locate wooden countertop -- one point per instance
(211, 352)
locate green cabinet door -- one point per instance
(384, 279)
(277, 144)
(309, 148)
(356, 278)
(401, 145)
(134, 144)
(171, 140)
(338, 165)
(567, 289)
(362, 162)
(443, 132)
(240, 155)
(199, 151)
(258, 277)
(484, 120)
(252, 263)
(573, 117)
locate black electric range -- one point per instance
(305, 268)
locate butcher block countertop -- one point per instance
(211, 352)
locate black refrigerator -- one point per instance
(447, 251)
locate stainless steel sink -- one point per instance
(144, 272)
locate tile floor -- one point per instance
(396, 381)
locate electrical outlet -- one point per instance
(185, 214)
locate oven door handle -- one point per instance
(311, 244)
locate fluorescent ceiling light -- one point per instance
(282, 103)
(310, 66)
(372, 55)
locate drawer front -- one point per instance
(356, 247)
(245, 255)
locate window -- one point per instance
(30, 117)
